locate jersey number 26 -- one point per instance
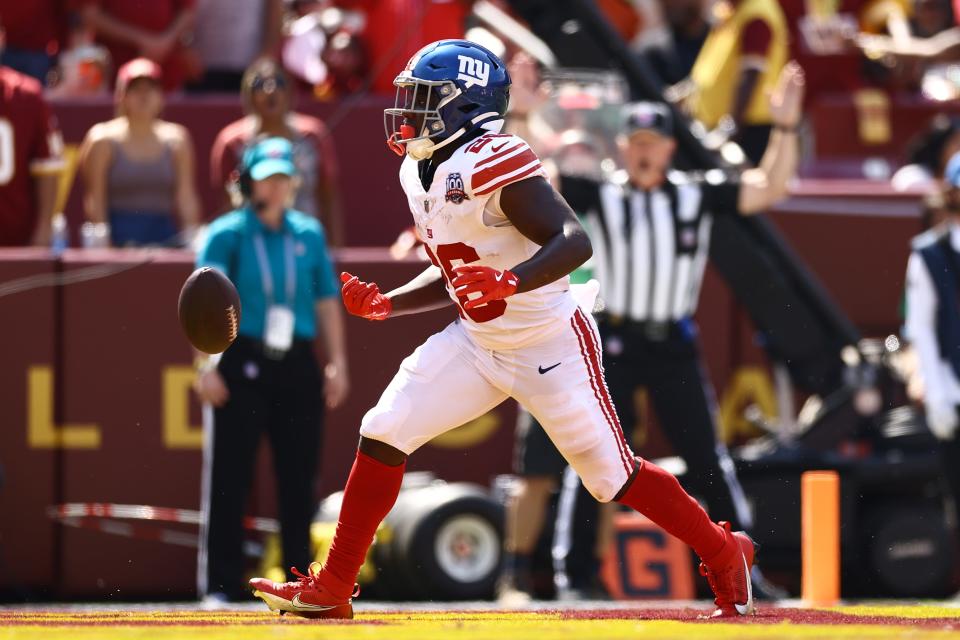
(445, 257)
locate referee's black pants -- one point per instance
(950, 467)
(665, 360)
(284, 400)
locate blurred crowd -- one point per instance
(331, 47)
(717, 59)
(334, 47)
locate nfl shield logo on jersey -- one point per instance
(455, 192)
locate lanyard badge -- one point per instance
(279, 323)
(278, 330)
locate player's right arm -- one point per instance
(425, 292)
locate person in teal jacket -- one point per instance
(269, 381)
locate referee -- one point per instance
(269, 381)
(650, 229)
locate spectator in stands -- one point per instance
(930, 18)
(737, 70)
(230, 35)
(83, 67)
(687, 26)
(935, 36)
(824, 33)
(267, 96)
(397, 29)
(33, 31)
(138, 170)
(30, 163)
(269, 381)
(159, 30)
(927, 155)
(323, 50)
(890, 17)
(868, 16)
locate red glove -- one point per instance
(364, 299)
(488, 282)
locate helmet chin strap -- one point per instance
(423, 149)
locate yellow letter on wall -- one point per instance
(177, 431)
(42, 433)
(750, 385)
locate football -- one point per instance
(209, 310)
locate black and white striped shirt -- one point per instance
(650, 247)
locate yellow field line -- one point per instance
(916, 611)
(439, 626)
(553, 630)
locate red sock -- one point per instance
(657, 495)
(371, 492)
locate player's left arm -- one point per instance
(542, 216)
(425, 292)
(765, 185)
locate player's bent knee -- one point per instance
(602, 475)
(601, 480)
(384, 427)
(602, 489)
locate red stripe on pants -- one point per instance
(593, 348)
(599, 388)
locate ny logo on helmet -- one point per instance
(473, 71)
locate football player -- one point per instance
(502, 243)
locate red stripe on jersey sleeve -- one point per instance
(511, 180)
(498, 155)
(491, 173)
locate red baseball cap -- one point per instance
(138, 68)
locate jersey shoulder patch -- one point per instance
(498, 160)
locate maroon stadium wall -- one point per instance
(95, 387)
(95, 376)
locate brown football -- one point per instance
(209, 310)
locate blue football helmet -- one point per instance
(448, 88)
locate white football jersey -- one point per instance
(460, 221)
